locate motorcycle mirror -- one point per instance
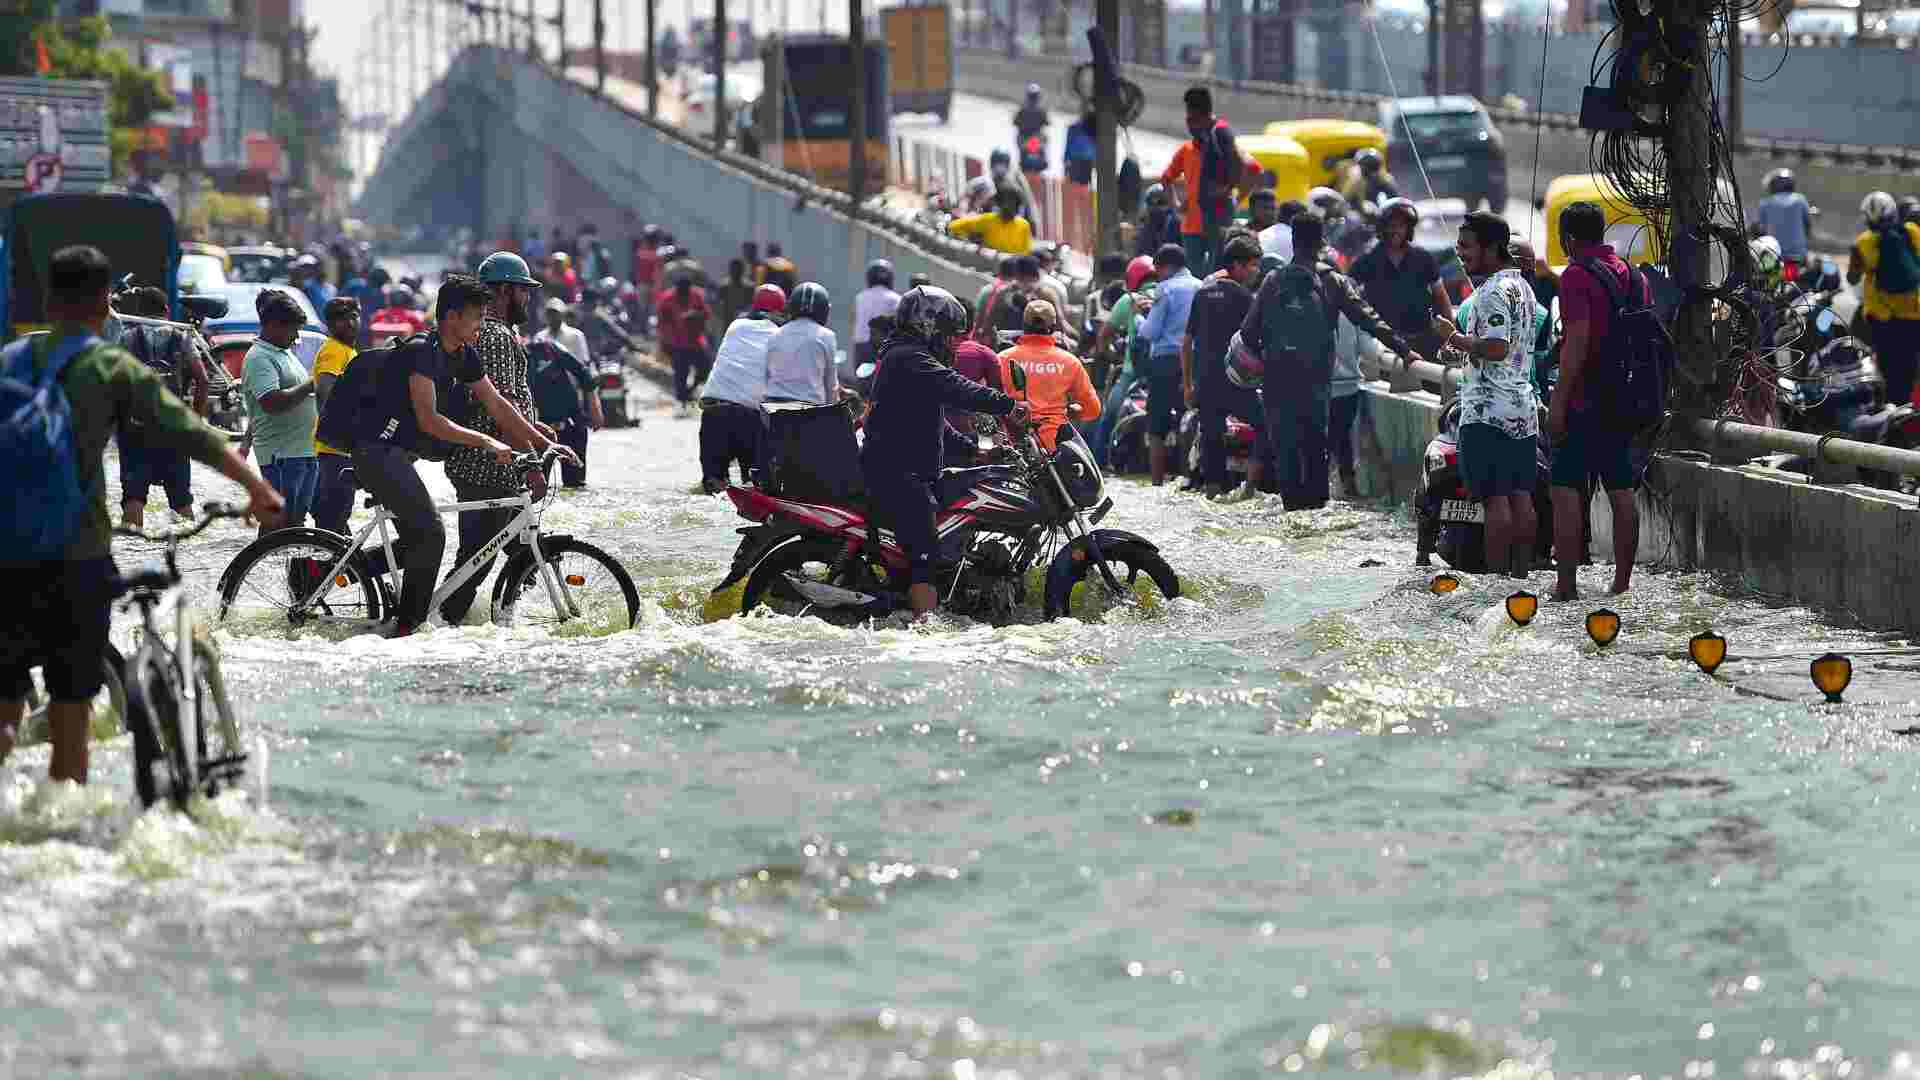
(205, 307)
(1019, 375)
(864, 371)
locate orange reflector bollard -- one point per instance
(1708, 649)
(1522, 607)
(1603, 626)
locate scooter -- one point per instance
(1127, 445)
(1239, 440)
(1450, 522)
(610, 382)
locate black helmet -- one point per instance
(880, 272)
(809, 300)
(607, 286)
(1779, 180)
(651, 231)
(1369, 160)
(929, 314)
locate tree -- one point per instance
(80, 49)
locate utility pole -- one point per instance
(1106, 124)
(1690, 191)
(653, 71)
(1736, 86)
(1435, 27)
(599, 47)
(857, 149)
(719, 74)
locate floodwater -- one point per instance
(1309, 817)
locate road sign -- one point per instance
(43, 173)
(66, 118)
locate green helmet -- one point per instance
(505, 268)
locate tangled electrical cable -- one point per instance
(1133, 100)
(1646, 53)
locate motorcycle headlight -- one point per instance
(1074, 462)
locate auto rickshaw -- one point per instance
(1329, 143)
(135, 233)
(1286, 159)
(1628, 230)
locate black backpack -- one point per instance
(340, 419)
(1628, 388)
(1296, 323)
(160, 348)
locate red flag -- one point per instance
(42, 62)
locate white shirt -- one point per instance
(570, 338)
(740, 367)
(800, 363)
(868, 304)
(1278, 240)
(1500, 392)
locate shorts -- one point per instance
(1166, 395)
(144, 466)
(297, 479)
(1493, 463)
(1590, 451)
(56, 618)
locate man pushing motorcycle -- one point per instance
(901, 459)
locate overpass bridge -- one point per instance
(502, 143)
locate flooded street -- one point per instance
(1309, 817)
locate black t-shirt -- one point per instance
(1218, 309)
(1403, 294)
(386, 418)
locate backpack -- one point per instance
(44, 502)
(1296, 323)
(1630, 391)
(159, 348)
(1899, 269)
(1008, 307)
(340, 419)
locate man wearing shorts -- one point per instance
(1499, 411)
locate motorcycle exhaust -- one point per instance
(829, 596)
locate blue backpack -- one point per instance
(43, 503)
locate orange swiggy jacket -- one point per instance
(1054, 377)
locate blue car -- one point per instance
(231, 335)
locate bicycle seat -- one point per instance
(152, 577)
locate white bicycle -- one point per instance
(302, 577)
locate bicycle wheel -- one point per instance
(109, 705)
(271, 577)
(154, 717)
(219, 726)
(598, 594)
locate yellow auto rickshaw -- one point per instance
(1628, 230)
(1286, 159)
(1329, 143)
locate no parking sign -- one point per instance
(43, 173)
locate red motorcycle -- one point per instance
(996, 524)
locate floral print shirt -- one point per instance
(504, 359)
(1500, 392)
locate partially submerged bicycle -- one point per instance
(176, 697)
(302, 578)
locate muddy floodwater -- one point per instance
(1307, 818)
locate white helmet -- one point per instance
(1766, 261)
(1326, 200)
(978, 188)
(1879, 208)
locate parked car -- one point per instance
(1459, 148)
(203, 267)
(231, 335)
(259, 264)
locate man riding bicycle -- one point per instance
(399, 421)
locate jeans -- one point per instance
(1109, 416)
(728, 433)
(388, 474)
(296, 479)
(1219, 400)
(333, 501)
(476, 528)
(1896, 343)
(687, 366)
(1341, 415)
(1297, 425)
(573, 436)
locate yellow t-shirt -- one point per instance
(332, 359)
(1013, 237)
(1875, 304)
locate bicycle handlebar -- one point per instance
(214, 511)
(529, 459)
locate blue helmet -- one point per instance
(506, 268)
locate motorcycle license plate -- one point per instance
(1447, 162)
(1462, 512)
